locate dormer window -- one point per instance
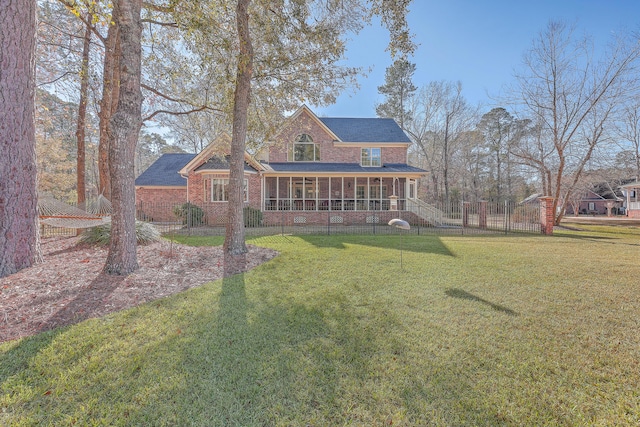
(304, 150)
(371, 157)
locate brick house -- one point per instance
(592, 202)
(347, 168)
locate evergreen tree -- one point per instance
(397, 89)
(19, 239)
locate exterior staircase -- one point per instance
(429, 213)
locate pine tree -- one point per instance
(397, 89)
(19, 240)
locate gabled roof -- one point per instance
(211, 156)
(218, 163)
(356, 130)
(164, 171)
(366, 130)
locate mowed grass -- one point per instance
(472, 330)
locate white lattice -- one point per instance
(373, 219)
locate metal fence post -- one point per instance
(189, 218)
(505, 218)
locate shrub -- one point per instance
(101, 235)
(190, 214)
(252, 217)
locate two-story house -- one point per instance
(344, 168)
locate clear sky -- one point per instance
(477, 42)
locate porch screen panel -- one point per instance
(283, 188)
(336, 188)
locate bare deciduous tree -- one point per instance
(442, 119)
(571, 99)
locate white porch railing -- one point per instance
(634, 206)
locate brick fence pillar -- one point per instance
(547, 216)
(465, 213)
(482, 214)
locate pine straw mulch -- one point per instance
(69, 286)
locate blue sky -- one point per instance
(478, 42)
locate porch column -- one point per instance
(393, 203)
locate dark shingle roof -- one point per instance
(365, 129)
(220, 163)
(343, 168)
(164, 171)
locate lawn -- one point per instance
(470, 330)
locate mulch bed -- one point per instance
(69, 286)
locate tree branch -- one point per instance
(176, 113)
(162, 95)
(56, 79)
(164, 24)
(71, 6)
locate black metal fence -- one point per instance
(455, 218)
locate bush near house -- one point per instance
(190, 214)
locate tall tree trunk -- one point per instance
(445, 165)
(124, 130)
(109, 99)
(82, 114)
(19, 239)
(234, 239)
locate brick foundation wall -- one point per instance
(156, 203)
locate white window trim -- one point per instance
(371, 157)
(304, 139)
(208, 188)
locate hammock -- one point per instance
(58, 214)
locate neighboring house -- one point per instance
(600, 201)
(314, 167)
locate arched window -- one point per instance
(304, 150)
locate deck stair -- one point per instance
(429, 213)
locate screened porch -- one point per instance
(337, 193)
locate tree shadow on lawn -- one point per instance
(20, 353)
(410, 243)
(260, 358)
(462, 294)
(613, 240)
(263, 360)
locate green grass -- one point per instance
(486, 331)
